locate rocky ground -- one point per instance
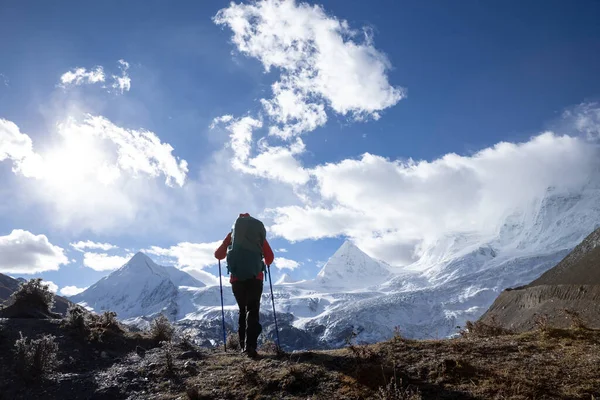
(104, 362)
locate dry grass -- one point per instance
(560, 364)
(233, 342)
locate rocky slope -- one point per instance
(567, 294)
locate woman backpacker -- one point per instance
(245, 247)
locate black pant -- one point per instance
(247, 294)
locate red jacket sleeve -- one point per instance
(268, 253)
(221, 252)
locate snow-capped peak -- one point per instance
(285, 278)
(351, 268)
(139, 287)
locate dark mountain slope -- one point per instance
(566, 294)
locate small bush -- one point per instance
(167, 347)
(161, 329)
(233, 342)
(576, 320)
(541, 323)
(35, 357)
(34, 293)
(108, 320)
(187, 342)
(482, 329)
(270, 347)
(395, 391)
(76, 318)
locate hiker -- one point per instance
(244, 247)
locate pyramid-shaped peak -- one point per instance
(349, 247)
(140, 261)
(351, 267)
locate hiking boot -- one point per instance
(251, 351)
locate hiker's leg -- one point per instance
(255, 288)
(239, 292)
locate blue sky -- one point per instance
(408, 83)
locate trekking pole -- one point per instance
(273, 301)
(222, 309)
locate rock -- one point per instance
(190, 367)
(140, 351)
(188, 355)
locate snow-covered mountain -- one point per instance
(456, 279)
(351, 269)
(139, 288)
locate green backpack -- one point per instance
(244, 254)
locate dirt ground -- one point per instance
(544, 364)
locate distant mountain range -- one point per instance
(456, 279)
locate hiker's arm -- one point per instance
(221, 252)
(268, 253)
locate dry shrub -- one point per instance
(576, 320)
(161, 329)
(395, 391)
(270, 347)
(76, 319)
(35, 357)
(167, 348)
(233, 342)
(33, 293)
(541, 323)
(187, 342)
(482, 329)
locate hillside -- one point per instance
(568, 292)
(580, 267)
(8, 285)
(113, 364)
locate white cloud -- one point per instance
(94, 148)
(390, 206)
(282, 250)
(585, 118)
(79, 76)
(88, 244)
(22, 252)
(122, 83)
(71, 290)
(104, 262)
(4, 80)
(193, 255)
(275, 162)
(53, 287)
(322, 62)
(18, 148)
(206, 277)
(286, 263)
(92, 155)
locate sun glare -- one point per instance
(78, 158)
